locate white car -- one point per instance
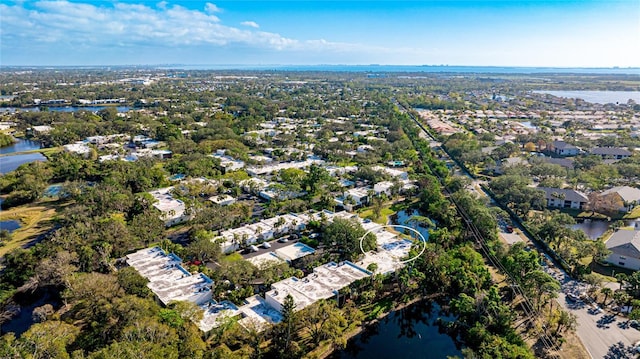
(266, 245)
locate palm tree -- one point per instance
(621, 278)
(607, 292)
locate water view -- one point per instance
(24, 318)
(412, 68)
(595, 228)
(19, 146)
(66, 109)
(10, 225)
(10, 163)
(601, 97)
(411, 332)
(404, 218)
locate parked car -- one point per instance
(595, 310)
(266, 245)
(509, 229)
(253, 249)
(283, 240)
(572, 297)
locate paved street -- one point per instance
(604, 334)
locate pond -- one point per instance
(411, 332)
(403, 218)
(24, 319)
(10, 163)
(10, 225)
(595, 228)
(53, 190)
(19, 146)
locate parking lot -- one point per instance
(275, 244)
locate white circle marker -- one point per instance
(382, 226)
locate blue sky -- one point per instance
(583, 33)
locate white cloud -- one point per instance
(82, 28)
(250, 24)
(211, 8)
(126, 24)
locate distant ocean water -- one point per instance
(413, 69)
(601, 97)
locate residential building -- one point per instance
(383, 187)
(325, 282)
(562, 148)
(359, 195)
(229, 163)
(222, 199)
(621, 199)
(610, 152)
(265, 229)
(625, 249)
(272, 168)
(403, 175)
(78, 148)
(172, 210)
(168, 280)
(564, 198)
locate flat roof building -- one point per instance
(172, 210)
(325, 282)
(168, 280)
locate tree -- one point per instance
(202, 248)
(621, 278)
(324, 320)
(606, 291)
(284, 333)
(345, 234)
(529, 146)
(133, 283)
(566, 321)
(48, 340)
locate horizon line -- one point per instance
(315, 65)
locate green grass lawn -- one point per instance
(35, 219)
(233, 257)
(589, 214)
(384, 215)
(633, 214)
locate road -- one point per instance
(604, 334)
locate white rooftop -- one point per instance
(168, 280)
(170, 207)
(214, 314)
(294, 251)
(269, 258)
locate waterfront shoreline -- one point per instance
(349, 336)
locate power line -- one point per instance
(527, 306)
